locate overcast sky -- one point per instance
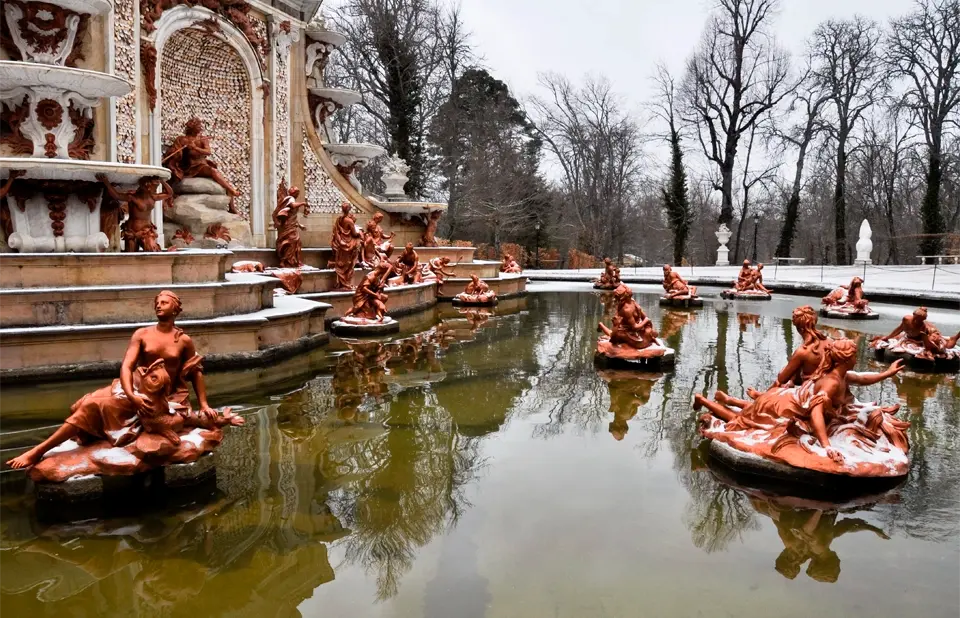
(622, 39)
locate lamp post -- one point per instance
(537, 227)
(756, 226)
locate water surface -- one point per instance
(484, 467)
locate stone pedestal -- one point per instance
(59, 224)
(723, 253)
(200, 203)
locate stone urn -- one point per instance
(723, 253)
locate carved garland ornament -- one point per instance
(234, 11)
(42, 32)
(12, 116)
(148, 59)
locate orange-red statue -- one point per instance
(510, 265)
(408, 267)
(919, 342)
(807, 357)
(476, 292)
(633, 336)
(435, 268)
(187, 158)
(287, 223)
(376, 244)
(847, 302)
(677, 291)
(749, 284)
(610, 278)
(368, 315)
(143, 419)
(138, 231)
(345, 243)
(816, 426)
(429, 234)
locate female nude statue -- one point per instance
(138, 231)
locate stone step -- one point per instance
(506, 286)
(55, 270)
(93, 305)
(319, 257)
(291, 326)
(402, 299)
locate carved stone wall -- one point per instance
(320, 191)
(200, 75)
(125, 66)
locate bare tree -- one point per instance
(751, 177)
(737, 74)
(924, 47)
(598, 149)
(808, 100)
(400, 54)
(847, 66)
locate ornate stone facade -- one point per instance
(200, 75)
(321, 193)
(125, 65)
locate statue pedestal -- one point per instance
(358, 327)
(723, 253)
(200, 203)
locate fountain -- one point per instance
(55, 200)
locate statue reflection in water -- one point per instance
(807, 535)
(629, 391)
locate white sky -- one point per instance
(622, 39)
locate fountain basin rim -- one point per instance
(76, 169)
(409, 208)
(86, 83)
(325, 36)
(86, 7)
(341, 96)
(357, 151)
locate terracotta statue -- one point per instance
(142, 418)
(217, 231)
(187, 158)
(408, 267)
(675, 286)
(610, 278)
(436, 269)
(510, 265)
(847, 300)
(632, 336)
(915, 337)
(807, 357)
(429, 235)
(138, 231)
(247, 266)
(818, 425)
(287, 224)
(476, 292)
(346, 245)
(376, 244)
(369, 301)
(749, 283)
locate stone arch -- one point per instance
(237, 70)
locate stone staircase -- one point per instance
(71, 315)
(68, 316)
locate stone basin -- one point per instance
(408, 208)
(73, 169)
(325, 36)
(87, 84)
(356, 152)
(340, 96)
(85, 7)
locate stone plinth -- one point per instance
(387, 326)
(200, 203)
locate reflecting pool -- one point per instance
(479, 465)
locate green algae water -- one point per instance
(480, 466)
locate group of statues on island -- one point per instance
(142, 420)
(610, 278)
(749, 284)
(809, 419)
(632, 339)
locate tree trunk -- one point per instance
(793, 204)
(931, 216)
(840, 204)
(726, 189)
